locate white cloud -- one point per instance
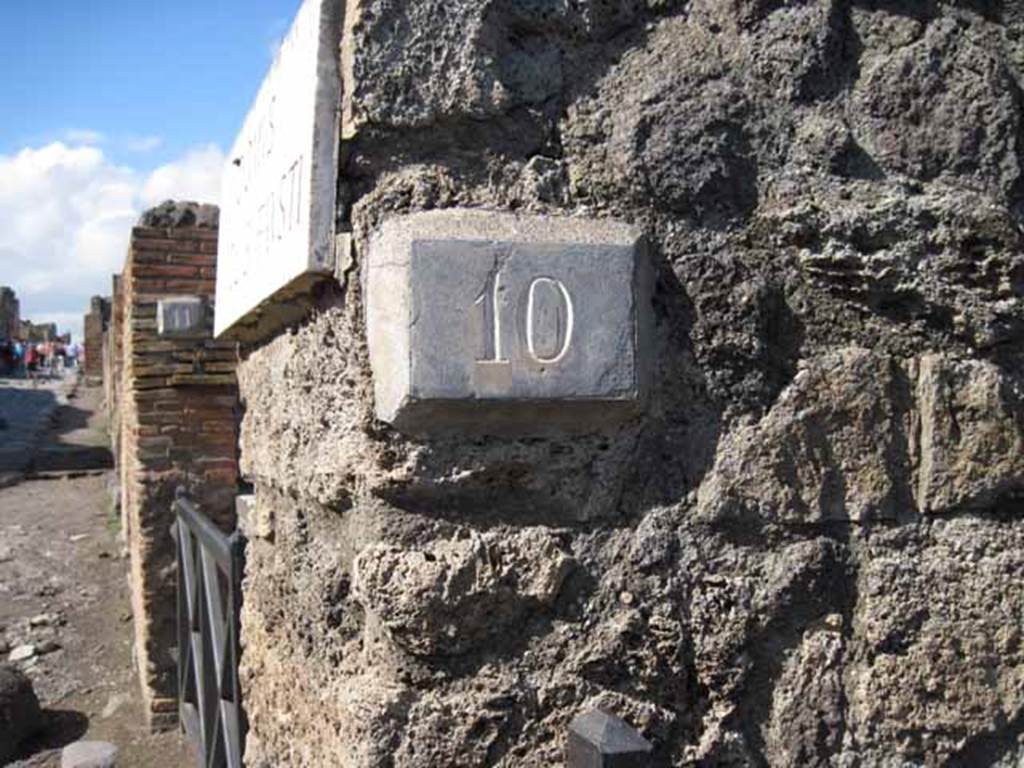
(66, 213)
(196, 176)
(78, 136)
(276, 32)
(143, 144)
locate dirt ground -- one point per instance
(63, 585)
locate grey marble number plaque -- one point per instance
(180, 315)
(497, 323)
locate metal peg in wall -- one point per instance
(600, 740)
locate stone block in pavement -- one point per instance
(492, 322)
(22, 653)
(28, 410)
(89, 754)
(20, 715)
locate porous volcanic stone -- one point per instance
(20, 716)
(173, 213)
(805, 549)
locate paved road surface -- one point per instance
(26, 409)
(61, 564)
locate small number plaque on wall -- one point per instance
(181, 315)
(498, 323)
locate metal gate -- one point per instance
(210, 567)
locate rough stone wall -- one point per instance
(95, 325)
(808, 551)
(178, 429)
(10, 314)
(40, 332)
(48, 331)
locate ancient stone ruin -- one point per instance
(173, 403)
(654, 359)
(777, 522)
(94, 326)
(10, 314)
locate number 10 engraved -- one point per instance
(489, 302)
(490, 306)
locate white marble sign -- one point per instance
(278, 191)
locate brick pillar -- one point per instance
(111, 359)
(178, 428)
(10, 314)
(95, 325)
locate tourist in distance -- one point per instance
(19, 358)
(31, 361)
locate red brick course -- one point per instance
(177, 403)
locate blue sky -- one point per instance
(106, 107)
(185, 70)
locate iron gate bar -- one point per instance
(210, 568)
